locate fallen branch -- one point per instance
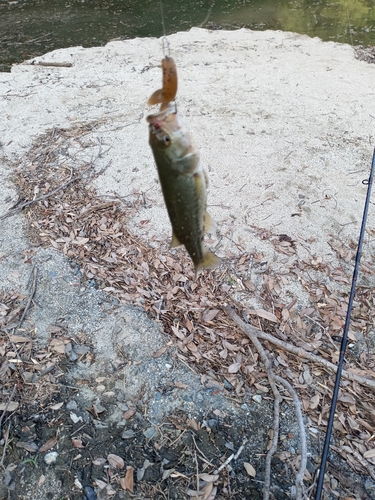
(51, 64)
(276, 406)
(272, 378)
(302, 432)
(32, 293)
(301, 353)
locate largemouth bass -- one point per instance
(183, 182)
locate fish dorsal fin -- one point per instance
(175, 241)
(209, 223)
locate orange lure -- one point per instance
(168, 93)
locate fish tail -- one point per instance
(156, 97)
(210, 261)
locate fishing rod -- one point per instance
(344, 340)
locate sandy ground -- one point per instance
(284, 124)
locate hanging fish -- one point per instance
(182, 178)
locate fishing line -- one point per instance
(166, 50)
(344, 340)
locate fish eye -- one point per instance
(167, 140)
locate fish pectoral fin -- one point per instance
(209, 223)
(156, 97)
(175, 241)
(210, 261)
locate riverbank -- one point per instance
(285, 128)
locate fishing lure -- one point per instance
(168, 92)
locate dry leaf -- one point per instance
(234, 368)
(128, 414)
(41, 480)
(261, 388)
(77, 443)
(49, 444)
(100, 484)
(207, 490)
(210, 314)
(11, 407)
(212, 494)
(189, 325)
(18, 339)
(249, 469)
(115, 461)
(263, 314)
(56, 406)
(127, 482)
(159, 352)
(31, 447)
(181, 385)
(369, 453)
(314, 403)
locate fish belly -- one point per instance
(186, 209)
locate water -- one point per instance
(33, 27)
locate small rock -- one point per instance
(149, 433)
(71, 405)
(50, 458)
(228, 386)
(75, 418)
(212, 423)
(334, 483)
(89, 493)
(370, 486)
(81, 349)
(129, 434)
(108, 395)
(310, 466)
(77, 483)
(257, 398)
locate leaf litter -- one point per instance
(93, 233)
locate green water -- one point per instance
(33, 27)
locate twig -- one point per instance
(5, 447)
(100, 206)
(301, 353)
(32, 293)
(53, 64)
(197, 471)
(302, 434)
(204, 459)
(7, 406)
(231, 457)
(276, 418)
